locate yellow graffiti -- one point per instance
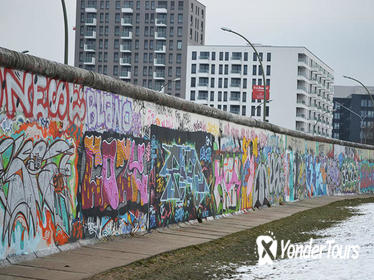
(212, 128)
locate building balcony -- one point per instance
(302, 104)
(89, 61)
(127, 10)
(126, 35)
(158, 76)
(125, 75)
(158, 62)
(161, 36)
(161, 22)
(161, 50)
(91, 22)
(90, 10)
(90, 35)
(89, 48)
(236, 74)
(302, 89)
(302, 77)
(124, 49)
(124, 61)
(161, 11)
(126, 22)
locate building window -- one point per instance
(212, 96)
(225, 96)
(268, 57)
(212, 82)
(179, 44)
(204, 55)
(179, 32)
(220, 96)
(235, 82)
(245, 56)
(254, 70)
(192, 95)
(193, 82)
(236, 69)
(364, 102)
(213, 55)
(259, 70)
(268, 70)
(180, 5)
(194, 55)
(236, 56)
(193, 69)
(244, 97)
(235, 95)
(203, 82)
(244, 110)
(202, 95)
(180, 18)
(221, 56)
(227, 56)
(213, 69)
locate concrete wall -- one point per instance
(84, 156)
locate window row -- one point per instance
(148, 5)
(224, 82)
(224, 69)
(151, 58)
(225, 56)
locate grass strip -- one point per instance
(205, 261)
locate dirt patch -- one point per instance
(213, 259)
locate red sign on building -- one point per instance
(258, 92)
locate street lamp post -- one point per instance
(319, 119)
(259, 59)
(358, 115)
(367, 91)
(261, 105)
(66, 32)
(165, 84)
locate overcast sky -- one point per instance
(340, 32)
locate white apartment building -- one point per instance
(301, 85)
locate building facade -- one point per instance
(141, 42)
(353, 118)
(300, 84)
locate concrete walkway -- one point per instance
(92, 259)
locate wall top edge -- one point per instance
(51, 69)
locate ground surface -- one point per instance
(207, 260)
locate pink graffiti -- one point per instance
(122, 174)
(109, 183)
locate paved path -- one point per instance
(92, 259)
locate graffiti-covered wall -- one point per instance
(78, 162)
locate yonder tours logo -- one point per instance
(267, 249)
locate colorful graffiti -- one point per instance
(81, 163)
(114, 180)
(110, 112)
